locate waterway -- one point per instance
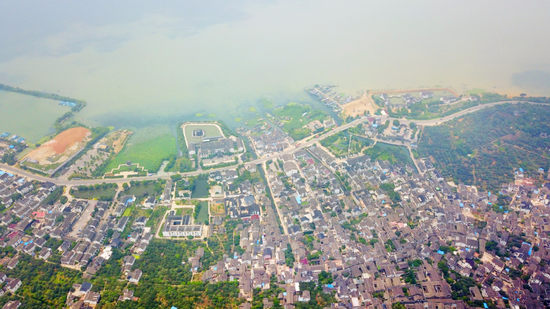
(140, 65)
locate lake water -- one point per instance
(140, 64)
(28, 117)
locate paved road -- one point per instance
(83, 220)
(291, 149)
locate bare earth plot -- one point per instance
(94, 158)
(360, 107)
(54, 152)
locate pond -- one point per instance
(200, 189)
(203, 213)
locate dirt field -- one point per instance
(61, 147)
(217, 208)
(359, 107)
(122, 137)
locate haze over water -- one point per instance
(140, 63)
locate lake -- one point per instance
(28, 117)
(140, 65)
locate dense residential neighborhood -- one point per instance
(303, 227)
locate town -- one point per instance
(367, 232)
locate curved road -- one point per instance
(302, 145)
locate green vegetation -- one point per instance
(102, 192)
(246, 175)
(325, 277)
(8, 158)
(318, 298)
(54, 196)
(340, 145)
(460, 285)
(183, 163)
(130, 168)
(398, 306)
(293, 122)
(44, 284)
(394, 154)
(390, 190)
(149, 152)
(289, 256)
(258, 295)
(390, 247)
(188, 295)
(447, 249)
(434, 108)
(145, 188)
(409, 276)
(201, 212)
(484, 148)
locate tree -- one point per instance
(125, 186)
(16, 196)
(325, 277)
(63, 199)
(396, 123)
(398, 306)
(412, 125)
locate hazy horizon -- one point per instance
(130, 59)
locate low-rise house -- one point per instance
(134, 276)
(13, 285)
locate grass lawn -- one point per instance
(210, 130)
(128, 211)
(203, 214)
(149, 153)
(94, 194)
(392, 153)
(140, 190)
(340, 145)
(184, 211)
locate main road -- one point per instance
(302, 144)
